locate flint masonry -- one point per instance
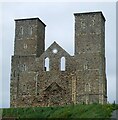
(53, 77)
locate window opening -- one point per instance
(55, 51)
(85, 66)
(24, 67)
(21, 30)
(30, 30)
(25, 46)
(63, 64)
(46, 64)
(87, 87)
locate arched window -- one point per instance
(47, 64)
(63, 64)
(25, 46)
(21, 30)
(24, 67)
(87, 87)
(30, 30)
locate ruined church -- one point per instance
(53, 77)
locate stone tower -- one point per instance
(90, 57)
(29, 44)
(29, 37)
(63, 79)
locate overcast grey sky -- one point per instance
(59, 19)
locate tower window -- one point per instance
(25, 46)
(24, 66)
(21, 30)
(85, 66)
(87, 87)
(83, 25)
(47, 64)
(63, 64)
(93, 21)
(30, 30)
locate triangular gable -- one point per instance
(53, 46)
(53, 86)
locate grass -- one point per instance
(71, 111)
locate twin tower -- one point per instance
(53, 77)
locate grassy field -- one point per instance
(71, 111)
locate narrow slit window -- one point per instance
(85, 66)
(14, 73)
(21, 30)
(63, 64)
(30, 30)
(47, 64)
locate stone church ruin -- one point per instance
(82, 78)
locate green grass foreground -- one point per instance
(70, 111)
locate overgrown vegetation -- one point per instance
(71, 111)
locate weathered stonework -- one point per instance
(82, 81)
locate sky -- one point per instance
(59, 20)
